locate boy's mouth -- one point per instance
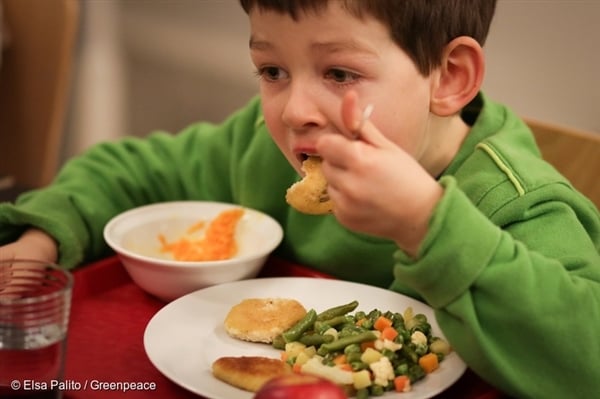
(303, 156)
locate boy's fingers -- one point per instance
(351, 113)
(357, 123)
(370, 134)
(364, 117)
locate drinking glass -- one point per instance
(35, 301)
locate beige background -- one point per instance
(158, 64)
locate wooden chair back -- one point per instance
(34, 86)
(575, 153)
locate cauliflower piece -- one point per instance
(418, 338)
(382, 371)
(381, 344)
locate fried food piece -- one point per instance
(248, 372)
(262, 319)
(309, 195)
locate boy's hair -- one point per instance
(421, 28)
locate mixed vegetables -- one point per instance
(367, 353)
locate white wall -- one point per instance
(543, 58)
(186, 60)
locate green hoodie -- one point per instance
(510, 264)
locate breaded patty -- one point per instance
(248, 372)
(262, 319)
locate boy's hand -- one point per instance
(33, 244)
(376, 186)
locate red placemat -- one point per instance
(105, 353)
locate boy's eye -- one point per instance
(341, 76)
(271, 73)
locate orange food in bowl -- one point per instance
(218, 243)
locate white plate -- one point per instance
(184, 338)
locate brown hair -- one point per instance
(422, 28)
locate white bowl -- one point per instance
(133, 235)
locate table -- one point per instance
(105, 349)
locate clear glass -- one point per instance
(35, 302)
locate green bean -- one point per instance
(300, 327)
(341, 343)
(337, 311)
(316, 339)
(278, 342)
(350, 330)
(322, 324)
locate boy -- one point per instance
(441, 194)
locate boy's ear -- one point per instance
(459, 77)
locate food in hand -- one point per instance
(248, 372)
(300, 386)
(309, 195)
(262, 319)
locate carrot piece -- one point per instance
(344, 366)
(401, 382)
(367, 344)
(196, 227)
(163, 241)
(381, 323)
(283, 356)
(389, 333)
(340, 359)
(341, 362)
(429, 362)
(297, 368)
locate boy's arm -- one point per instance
(508, 298)
(113, 177)
(90, 189)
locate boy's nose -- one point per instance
(301, 109)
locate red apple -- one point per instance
(300, 386)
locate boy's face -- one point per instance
(307, 65)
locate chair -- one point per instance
(575, 153)
(34, 87)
